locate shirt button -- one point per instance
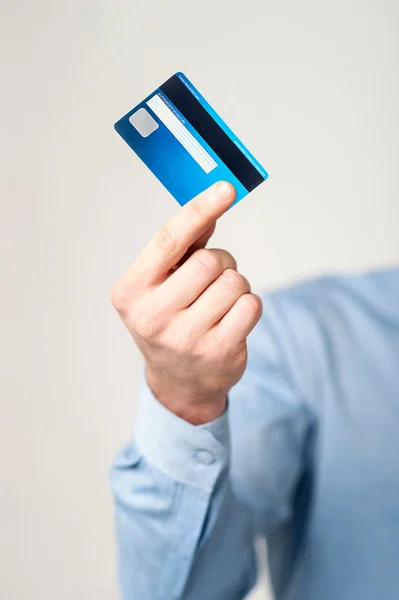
(204, 456)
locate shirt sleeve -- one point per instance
(174, 510)
(189, 454)
(189, 502)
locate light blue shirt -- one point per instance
(307, 454)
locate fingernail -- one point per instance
(224, 191)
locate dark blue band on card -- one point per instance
(212, 133)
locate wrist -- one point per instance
(191, 404)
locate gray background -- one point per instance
(313, 90)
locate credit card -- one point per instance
(185, 143)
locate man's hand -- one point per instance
(189, 311)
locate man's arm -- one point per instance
(186, 519)
(182, 532)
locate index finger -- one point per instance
(173, 240)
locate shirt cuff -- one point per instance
(191, 454)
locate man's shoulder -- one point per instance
(344, 289)
(306, 323)
(308, 316)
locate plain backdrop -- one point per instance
(311, 87)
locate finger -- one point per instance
(200, 243)
(237, 324)
(204, 238)
(215, 302)
(180, 232)
(191, 279)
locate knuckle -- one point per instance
(250, 305)
(166, 239)
(233, 280)
(145, 326)
(231, 261)
(118, 296)
(206, 259)
(197, 208)
(177, 338)
(227, 260)
(146, 322)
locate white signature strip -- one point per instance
(187, 140)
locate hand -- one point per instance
(189, 311)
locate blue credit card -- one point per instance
(185, 143)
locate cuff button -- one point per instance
(204, 456)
